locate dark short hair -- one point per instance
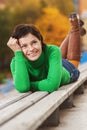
(23, 29)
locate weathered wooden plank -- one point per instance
(13, 98)
(73, 86)
(83, 67)
(32, 118)
(28, 118)
(13, 109)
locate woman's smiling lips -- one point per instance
(33, 53)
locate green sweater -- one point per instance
(44, 74)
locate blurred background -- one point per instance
(50, 16)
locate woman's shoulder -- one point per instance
(52, 50)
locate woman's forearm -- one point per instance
(20, 74)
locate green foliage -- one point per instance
(4, 34)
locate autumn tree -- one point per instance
(24, 11)
(4, 34)
(53, 25)
(65, 6)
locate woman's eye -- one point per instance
(23, 46)
(34, 41)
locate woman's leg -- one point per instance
(70, 47)
(74, 46)
(64, 47)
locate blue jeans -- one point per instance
(74, 72)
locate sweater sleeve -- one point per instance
(53, 80)
(20, 73)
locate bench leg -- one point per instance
(53, 120)
(68, 103)
(85, 83)
(80, 90)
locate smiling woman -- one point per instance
(40, 67)
(31, 47)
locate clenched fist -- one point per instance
(13, 44)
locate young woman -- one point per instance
(40, 67)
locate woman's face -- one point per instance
(31, 47)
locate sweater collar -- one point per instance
(39, 62)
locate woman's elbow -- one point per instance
(53, 88)
(22, 89)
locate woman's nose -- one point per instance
(30, 47)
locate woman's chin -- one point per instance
(34, 58)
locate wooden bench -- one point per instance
(29, 111)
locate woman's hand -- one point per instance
(13, 44)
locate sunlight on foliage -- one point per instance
(53, 25)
